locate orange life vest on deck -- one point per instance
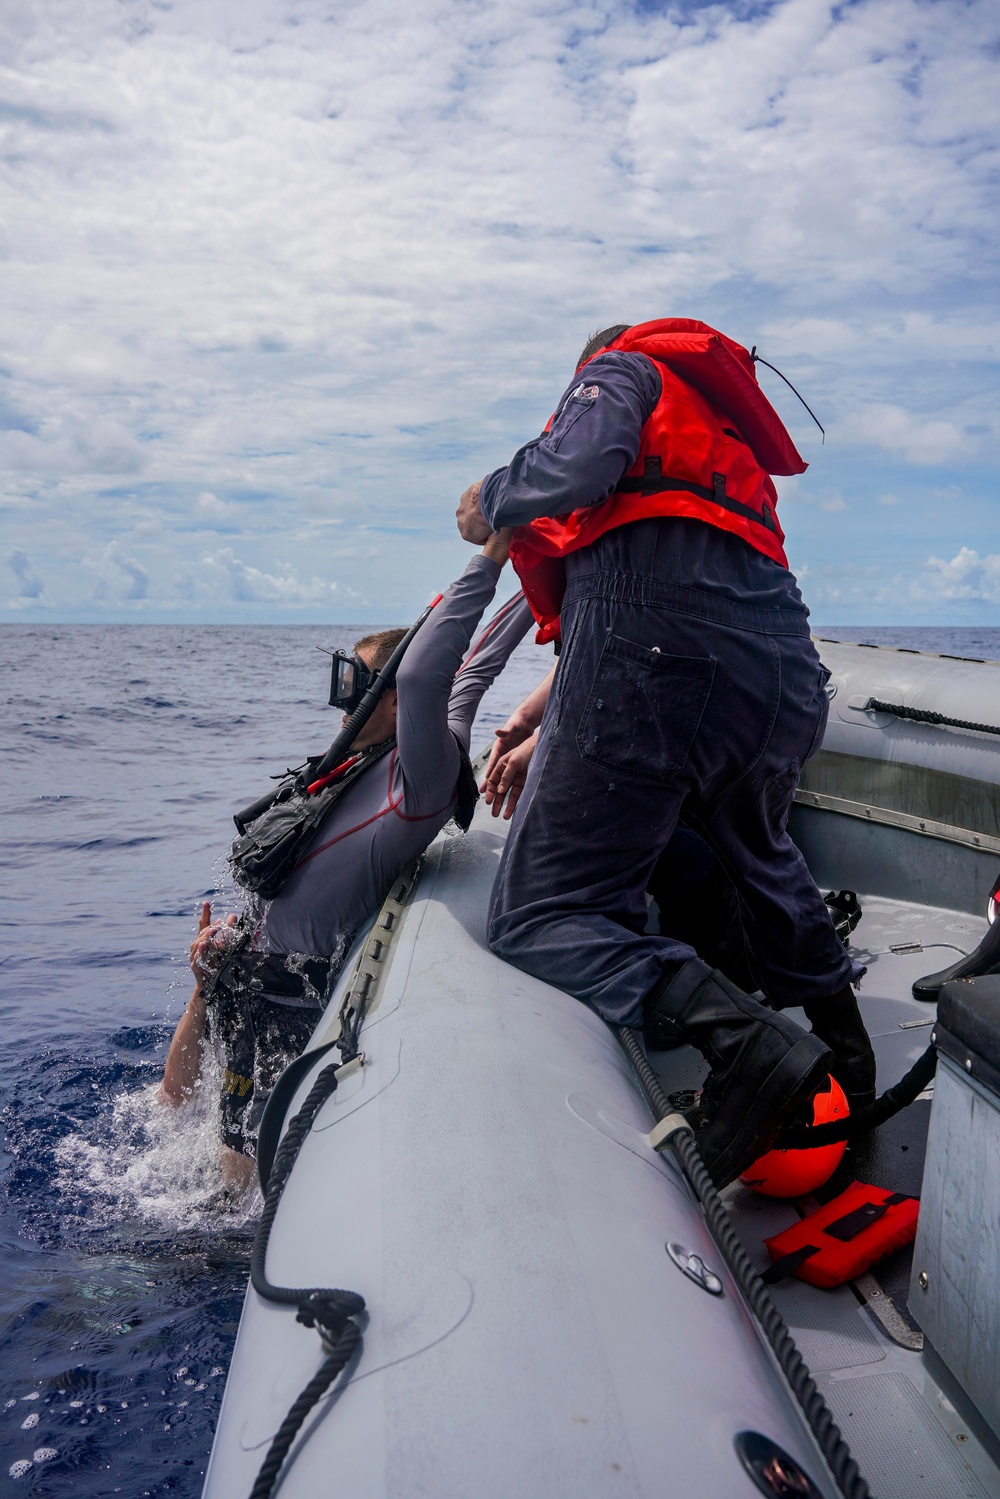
(707, 452)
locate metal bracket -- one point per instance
(693, 1266)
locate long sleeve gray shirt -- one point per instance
(392, 813)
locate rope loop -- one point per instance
(331, 1312)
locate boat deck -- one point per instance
(909, 1436)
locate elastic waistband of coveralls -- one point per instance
(646, 592)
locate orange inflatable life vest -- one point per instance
(707, 452)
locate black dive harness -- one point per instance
(276, 830)
(275, 840)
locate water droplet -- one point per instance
(18, 1469)
(30, 1421)
(216, 1371)
(33, 1396)
(8, 1403)
(76, 1404)
(45, 1454)
(182, 1371)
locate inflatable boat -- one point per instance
(550, 1310)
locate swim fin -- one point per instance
(985, 959)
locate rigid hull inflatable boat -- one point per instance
(548, 1310)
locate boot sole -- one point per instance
(792, 1082)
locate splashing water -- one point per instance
(155, 1165)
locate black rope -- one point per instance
(925, 715)
(900, 1096)
(757, 360)
(330, 1312)
(835, 1450)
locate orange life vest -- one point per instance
(707, 452)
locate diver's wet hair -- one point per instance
(381, 646)
(601, 340)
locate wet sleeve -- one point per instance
(592, 442)
(428, 755)
(486, 659)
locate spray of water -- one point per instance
(153, 1167)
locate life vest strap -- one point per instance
(654, 481)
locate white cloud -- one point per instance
(284, 264)
(119, 572)
(29, 584)
(251, 585)
(967, 576)
(912, 437)
(211, 508)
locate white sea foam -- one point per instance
(155, 1163)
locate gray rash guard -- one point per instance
(392, 813)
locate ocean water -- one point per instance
(122, 1270)
(122, 1267)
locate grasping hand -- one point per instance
(471, 525)
(208, 947)
(506, 775)
(523, 722)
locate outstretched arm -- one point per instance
(593, 440)
(428, 753)
(520, 726)
(183, 1064)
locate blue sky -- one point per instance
(281, 277)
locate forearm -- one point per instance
(532, 710)
(487, 657)
(183, 1064)
(428, 754)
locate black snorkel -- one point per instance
(338, 751)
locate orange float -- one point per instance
(792, 1173)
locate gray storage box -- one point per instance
(955, 1285)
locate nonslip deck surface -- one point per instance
(908, 1438)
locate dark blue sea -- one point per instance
(122, 1270)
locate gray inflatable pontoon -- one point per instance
(548, 1313)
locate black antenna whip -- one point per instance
(757, 360)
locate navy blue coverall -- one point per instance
(687, 685)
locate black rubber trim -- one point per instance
(973, 1065)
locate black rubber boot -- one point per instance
(764, 1066)
(837, 1022)
(985, 959)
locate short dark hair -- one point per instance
(598, 341)
(379, 646)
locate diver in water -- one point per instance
(688, 685)
(261, 984)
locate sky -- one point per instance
(282, 277)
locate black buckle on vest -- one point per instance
(652, 476)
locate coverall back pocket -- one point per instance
(644, 709)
